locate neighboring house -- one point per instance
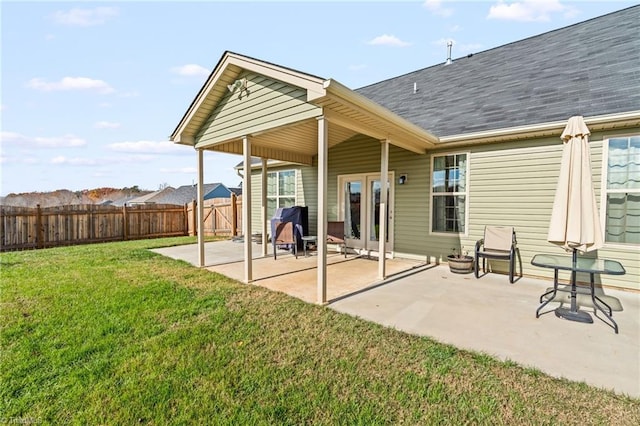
(188, 193)
(182, 195)
(471, 143)
(237, 191)
(151, 198)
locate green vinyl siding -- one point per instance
(359, 154)
(515, 183)
(269, 101)
(510, 183)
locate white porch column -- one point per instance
(246, 210)
(263, 214)
(323, 151)
(384, 188)
(200, 207)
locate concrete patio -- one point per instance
(486, 315)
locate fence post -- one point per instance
(186, 219)
(39, 230)
(91, 224)
(234, 214)
(194, 216)
(125, 225)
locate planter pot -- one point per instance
(460, 265)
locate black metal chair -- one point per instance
(499, 243)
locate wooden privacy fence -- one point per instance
(222, 216)
(28, 228)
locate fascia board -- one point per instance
(313, 85)
(348, 96)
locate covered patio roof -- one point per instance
(288, 132)
(258, 109)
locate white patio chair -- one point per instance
(499, 243)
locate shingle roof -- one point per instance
(151, 197)
(590, 68)
(185, 194)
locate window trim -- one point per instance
(466, 194)
(604, 192)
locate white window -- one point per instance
(622, 190)
(449, 194)
(281, 190)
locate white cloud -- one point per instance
(65, 141)
(528, 10)
(18, 159)
(70, 83)
(436, 7)
(106, 125)
(149, 147)
(388, 40)
(76, 161)
(84, 17)
(190, 70)
(136, 159)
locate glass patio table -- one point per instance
(576, 264)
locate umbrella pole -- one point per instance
(574, 292)
(574, 314)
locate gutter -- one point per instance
(599, 122)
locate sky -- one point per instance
(90, 92)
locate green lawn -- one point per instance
(115, 334)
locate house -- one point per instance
(183, 194)
(465, 144)
(150, 198)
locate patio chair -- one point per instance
(284, 235)
(335, 235)
(499, 243)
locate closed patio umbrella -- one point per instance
(575, 224)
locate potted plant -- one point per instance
(460, 262)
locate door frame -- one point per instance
(365, 245)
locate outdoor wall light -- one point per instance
(240, 85)
(402, 179)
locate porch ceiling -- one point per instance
(296, 142)
(347, 113)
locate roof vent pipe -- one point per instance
(449, 45)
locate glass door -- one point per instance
(352, 211)
(359, 200)
(373, 183)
